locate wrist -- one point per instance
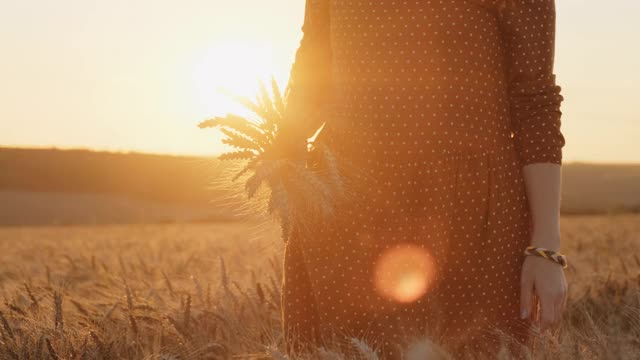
(549, 241)
(545, 254)
(540, 262)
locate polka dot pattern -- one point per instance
(439, 104)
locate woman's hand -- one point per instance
(289, 143)
(544, 279)
(541, 277)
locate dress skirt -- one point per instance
(431, 248)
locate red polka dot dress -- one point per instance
(439, 104)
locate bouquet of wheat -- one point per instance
(305, 181)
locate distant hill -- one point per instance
(174, 179)
(50, 186)
(597, 188)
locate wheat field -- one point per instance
(212, 291)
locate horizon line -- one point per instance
(215, 155)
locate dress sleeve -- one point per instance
(309, 84)
(528, 28)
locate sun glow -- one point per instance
(232, 66)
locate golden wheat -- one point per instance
(194, 291)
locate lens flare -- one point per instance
(404, 273)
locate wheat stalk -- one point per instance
(296, 190)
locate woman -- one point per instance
(451, 110)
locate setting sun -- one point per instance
(230, 66)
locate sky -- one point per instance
(123, 75)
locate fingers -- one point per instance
(526, 297)
(560, 300)
(562, 305)
(558, 309)
(552, 307)
(547, 311)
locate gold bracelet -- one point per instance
(547, 254)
